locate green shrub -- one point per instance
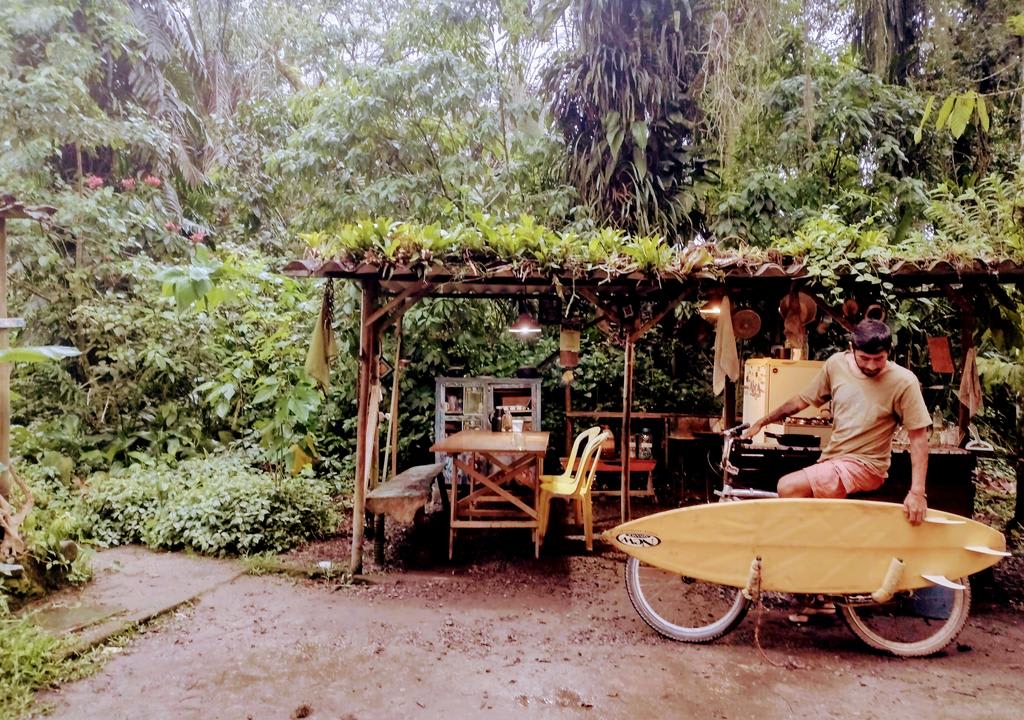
(29, 660)
(219, 505)
(52, 533)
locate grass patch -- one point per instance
(30, 659)
(276, 565)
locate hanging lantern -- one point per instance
(569, 348)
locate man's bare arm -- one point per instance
(916, 503)
(785, 410)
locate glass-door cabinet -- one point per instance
(470, 403)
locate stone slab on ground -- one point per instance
(130, 584)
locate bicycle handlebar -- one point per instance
(735, 432)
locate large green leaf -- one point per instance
(944, 111)
(961, 115)
(44, 353)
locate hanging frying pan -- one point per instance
(745, 324)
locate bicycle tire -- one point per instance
(648, 606)
(877, 624)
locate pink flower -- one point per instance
(171, 226)
(197, 237)
(93, 181)
(128, 184)
(151, 180)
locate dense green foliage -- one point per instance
(29, 660)
(192, 147)
(216, 506)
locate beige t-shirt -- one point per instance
(866, 410)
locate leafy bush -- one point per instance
(29, 659)
(219, 505)
(52, 534)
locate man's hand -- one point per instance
(753, 430)
(915, 506)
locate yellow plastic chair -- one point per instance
(569, 472)
(575, 488)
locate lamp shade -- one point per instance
(525, 325)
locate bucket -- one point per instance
(934, 602)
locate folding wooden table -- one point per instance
(496, 461)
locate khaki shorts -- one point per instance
(838, 477)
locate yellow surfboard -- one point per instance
(836, 547)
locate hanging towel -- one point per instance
(727, 362)
(323, 348)
(970, 385)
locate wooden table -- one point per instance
(496, 460)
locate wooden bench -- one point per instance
(401, 497)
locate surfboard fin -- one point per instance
(983, 550)
(943, 581)
(939, 520)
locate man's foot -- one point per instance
(818, 607)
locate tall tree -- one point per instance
(623, 98)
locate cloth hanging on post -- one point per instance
(323, 347)
(727, 361)
(970, 385)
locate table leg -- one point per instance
(539, 467)
(453, 504)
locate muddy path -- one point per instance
(498, 634)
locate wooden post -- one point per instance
(568, 420)
(729, 401)
(5, 370)
(369, 346)
(627, 413)
(966, 344)
(391, 451)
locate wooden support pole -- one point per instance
(568, 420)
(391, 447)
(967, 323)
(369, 347)
(729, 403)
(627, 417)
(5, 371)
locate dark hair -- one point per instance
(871, 336)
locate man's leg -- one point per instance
(820, 480)
(796, 485)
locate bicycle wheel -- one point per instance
(912, 624)
(682, 608)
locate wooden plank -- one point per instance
(669, 307)
(494, 524)
(395, 302)
(401, 497)
(627, 411)
(369, 344)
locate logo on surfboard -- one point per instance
(638, 539)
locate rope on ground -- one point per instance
(758, 611)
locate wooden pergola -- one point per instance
(389, 291)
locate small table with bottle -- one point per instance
(499, 465)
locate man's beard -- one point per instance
(870, 373)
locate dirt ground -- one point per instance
(498, 634)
